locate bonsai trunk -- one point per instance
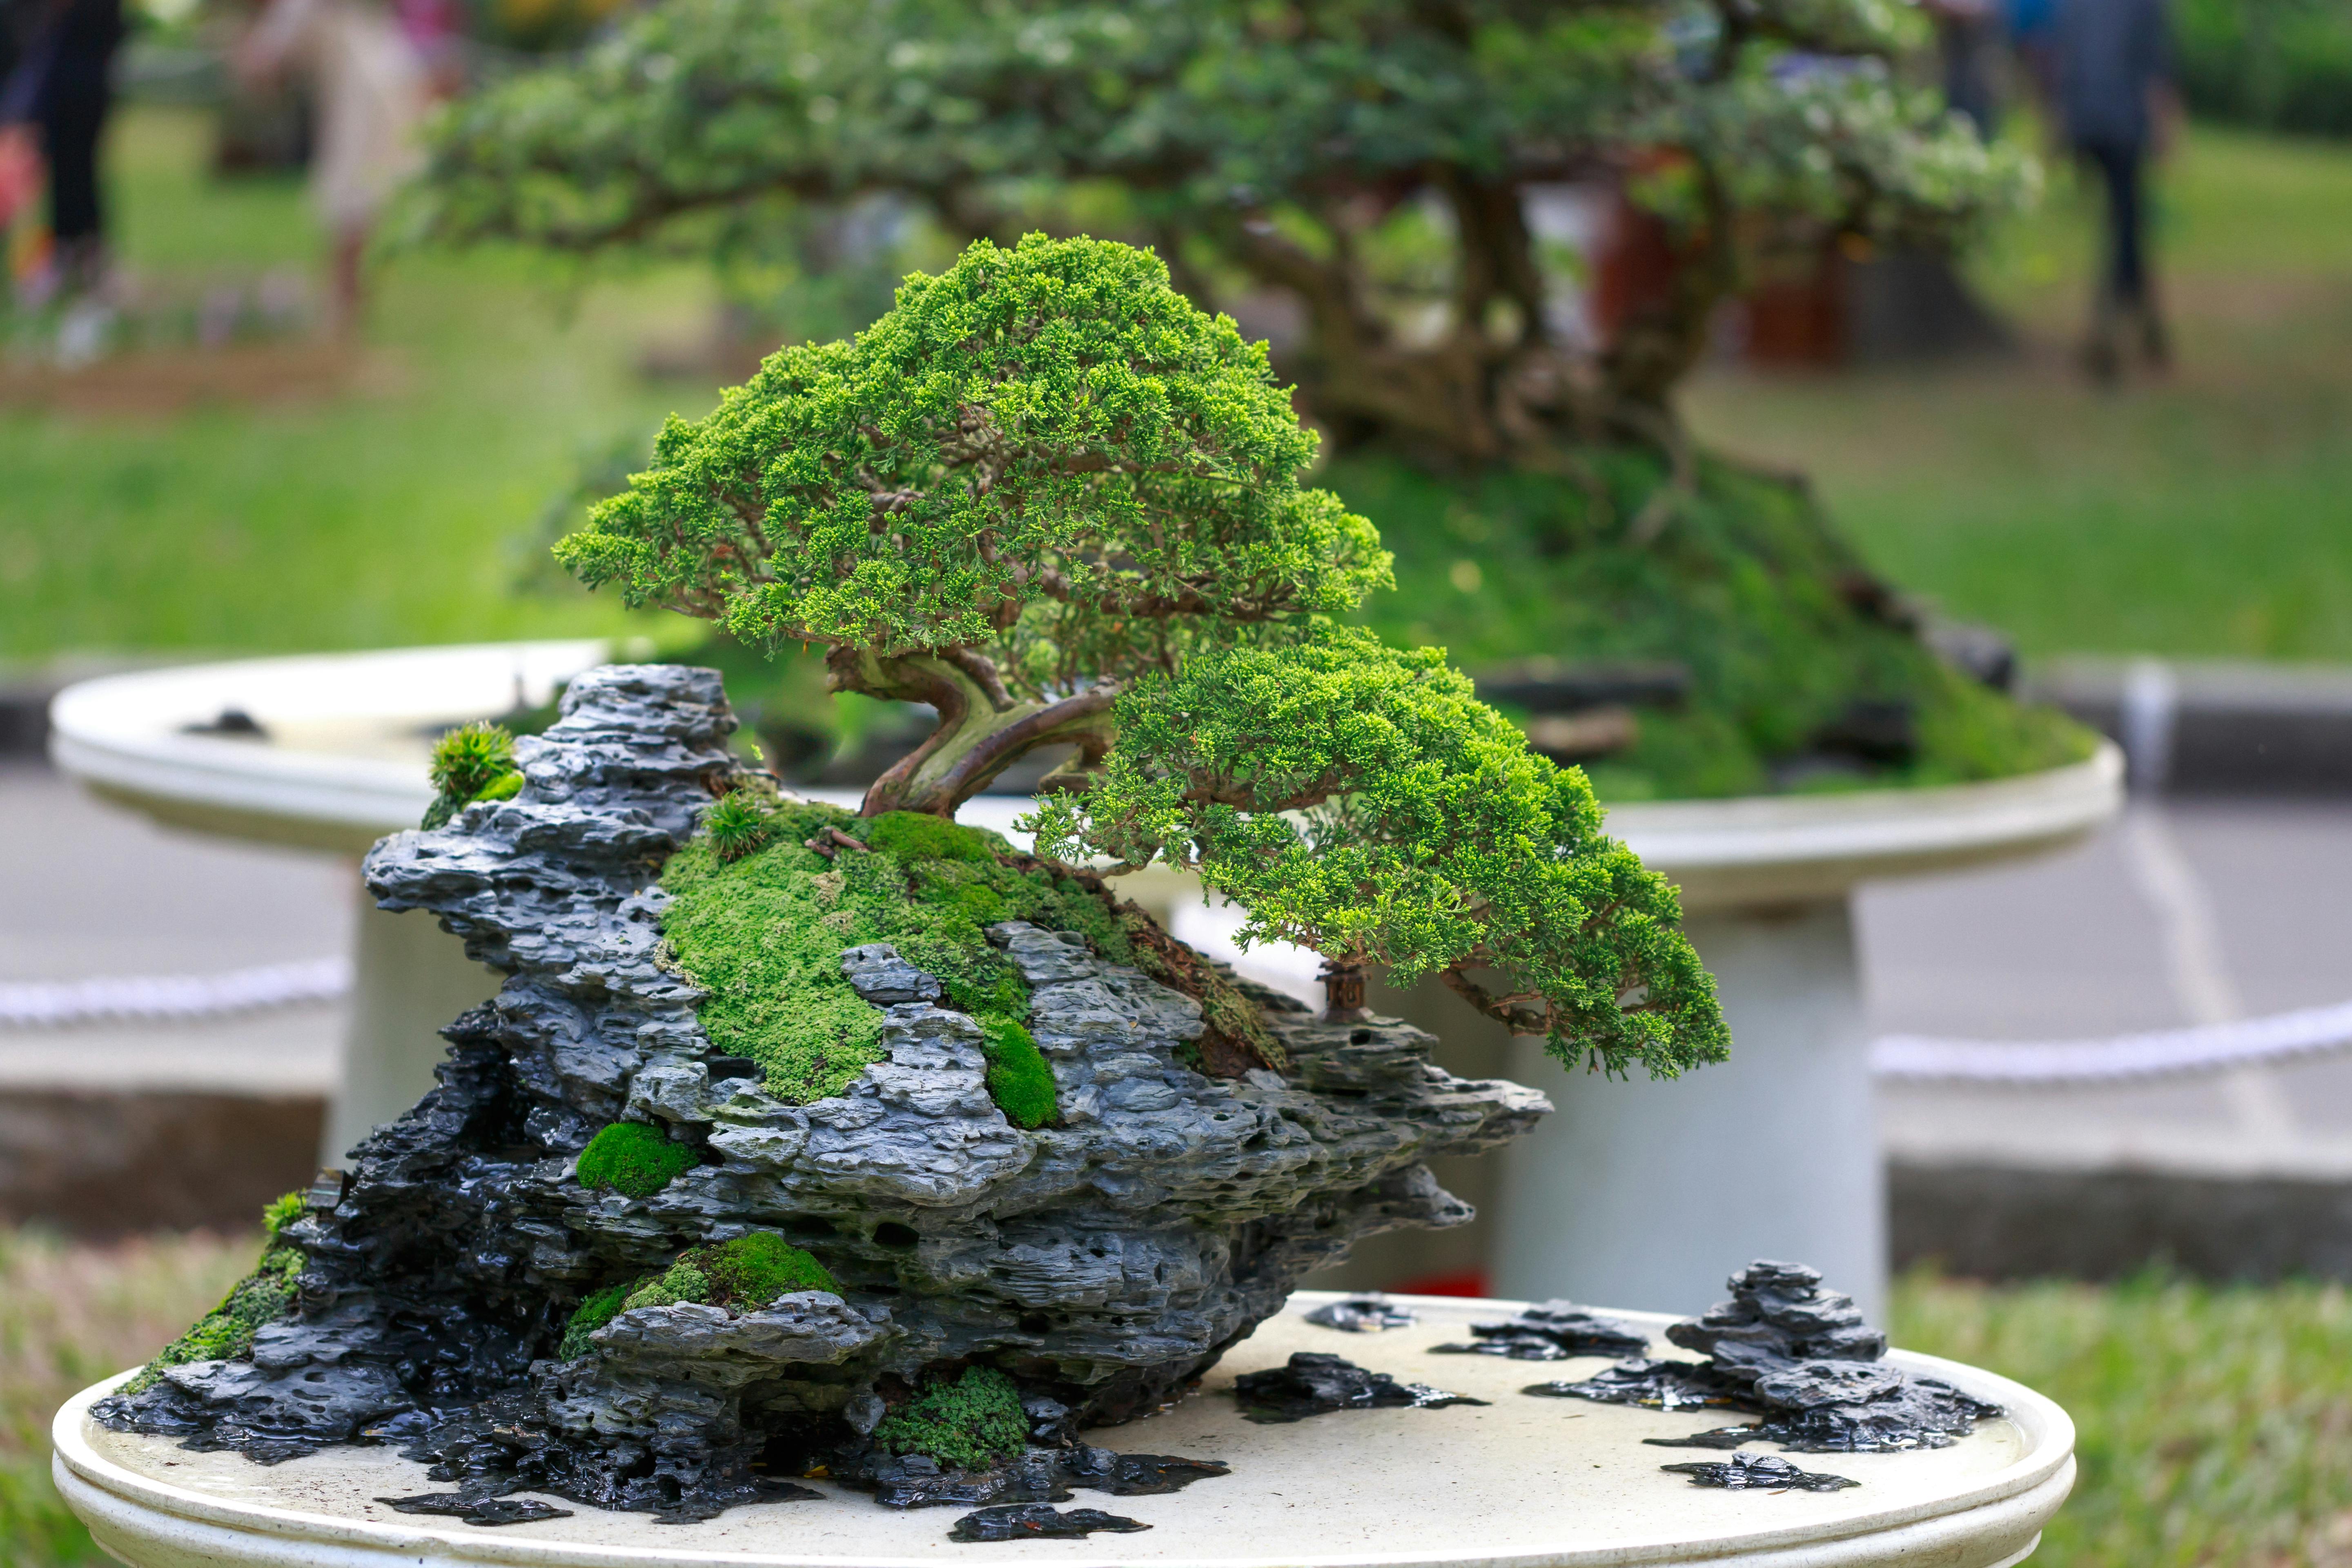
(982, 728)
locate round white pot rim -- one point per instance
(2005, 1504)
(126, 736)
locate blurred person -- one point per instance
(2119, 108)
(372, 94)
(53, 111)
(1966, 31)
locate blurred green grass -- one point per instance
(400, 511)
(2209, 514)
(2215, 1422)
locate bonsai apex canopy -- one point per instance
(1517, 1483)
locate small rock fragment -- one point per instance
(1038, 1521)
(1552, 1330)
(483, 1510)
(1315, 1384)
(1759, 1472)
(1369, 1314)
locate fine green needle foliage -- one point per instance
(632, 1159)
(969, 1423)
(474, 761)
(736, 824)
(260, 1298)
(1120, 454)
(1360, 801)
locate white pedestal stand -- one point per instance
(1638, 1191)
(1522, 1482)
(342, 764)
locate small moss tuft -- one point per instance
(972, 1423)
(737, 823)
(634, 1160)
(282, 1213)
(1020, 1079)
(919, 836)
(682, 1281)
(753, 1271)
(600, 1308)
(744, 1274)
(468, 763)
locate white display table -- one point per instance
(1522, 1481)
(1774, 1153)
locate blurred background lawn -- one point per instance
(2202, 516)
(2215, 1422)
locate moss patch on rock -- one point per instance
(260, 1298)
(764, 934)
(600, 1308)
(474, 761)
(633, 1159)
(743, 1275)
(971, 1423)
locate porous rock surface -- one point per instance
(1102, 1260)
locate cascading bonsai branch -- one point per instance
(1052, 498)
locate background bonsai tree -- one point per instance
(1052, 500)
(1369, 180)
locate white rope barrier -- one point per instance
(2212, 1048)
(171, 998)
(2209, 1047)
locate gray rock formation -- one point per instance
(1802, 1358)
(1102, 1261)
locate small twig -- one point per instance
(832, 841)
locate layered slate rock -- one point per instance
(1102, 1260)
(1802, 1357)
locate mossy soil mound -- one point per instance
(1798, 668)
(760, 920)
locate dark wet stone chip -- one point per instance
(1759, 1472)
(1036, 1522)
(1362, 1315)
(484, 1510)
(1037, 1476)
(1653, 1385)
(1552, 1330)
(1315, 1384)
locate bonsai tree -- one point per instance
(1369, 178)
(1057, 503)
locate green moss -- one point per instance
(474, 761)
(283, 1212)
(682, 1281)
(1019, 1078)
(917, 835)
(262, 1297)
(971, 1423)
(754, 1269)
(1747, 586)
(762, 935)
(745, 1274)
(600, 1308)
(633, 1159)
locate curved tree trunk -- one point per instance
(982, 728)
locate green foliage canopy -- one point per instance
(1360, 801)
(1373, 160)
